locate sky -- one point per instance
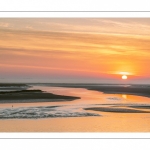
(75, 50)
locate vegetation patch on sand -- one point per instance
(30, 96)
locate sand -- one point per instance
(116, 110)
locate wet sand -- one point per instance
(72, 116)
(117, 110)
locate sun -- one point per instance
(124, 77)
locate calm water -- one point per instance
(70, 116)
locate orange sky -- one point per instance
(74, 49)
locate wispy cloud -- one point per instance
(86, 46)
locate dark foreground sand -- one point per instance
(30, 96)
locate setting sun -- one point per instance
(124, 77)
(74, 50)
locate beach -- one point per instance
(73, 108)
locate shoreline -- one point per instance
(139, 90)
(21, 93)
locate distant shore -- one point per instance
(133, 89)
(13, 86)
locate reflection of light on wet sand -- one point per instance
(71, 114)
(124, 96)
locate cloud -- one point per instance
(65, 43)
(86, 52)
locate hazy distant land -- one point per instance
(133, 89)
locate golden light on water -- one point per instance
(124, 96)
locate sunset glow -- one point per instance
(85, 50)
(124, 77)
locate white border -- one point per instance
(101, 140)
(74, 5)
(74, 14)
(81, 135)
(78, 144)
